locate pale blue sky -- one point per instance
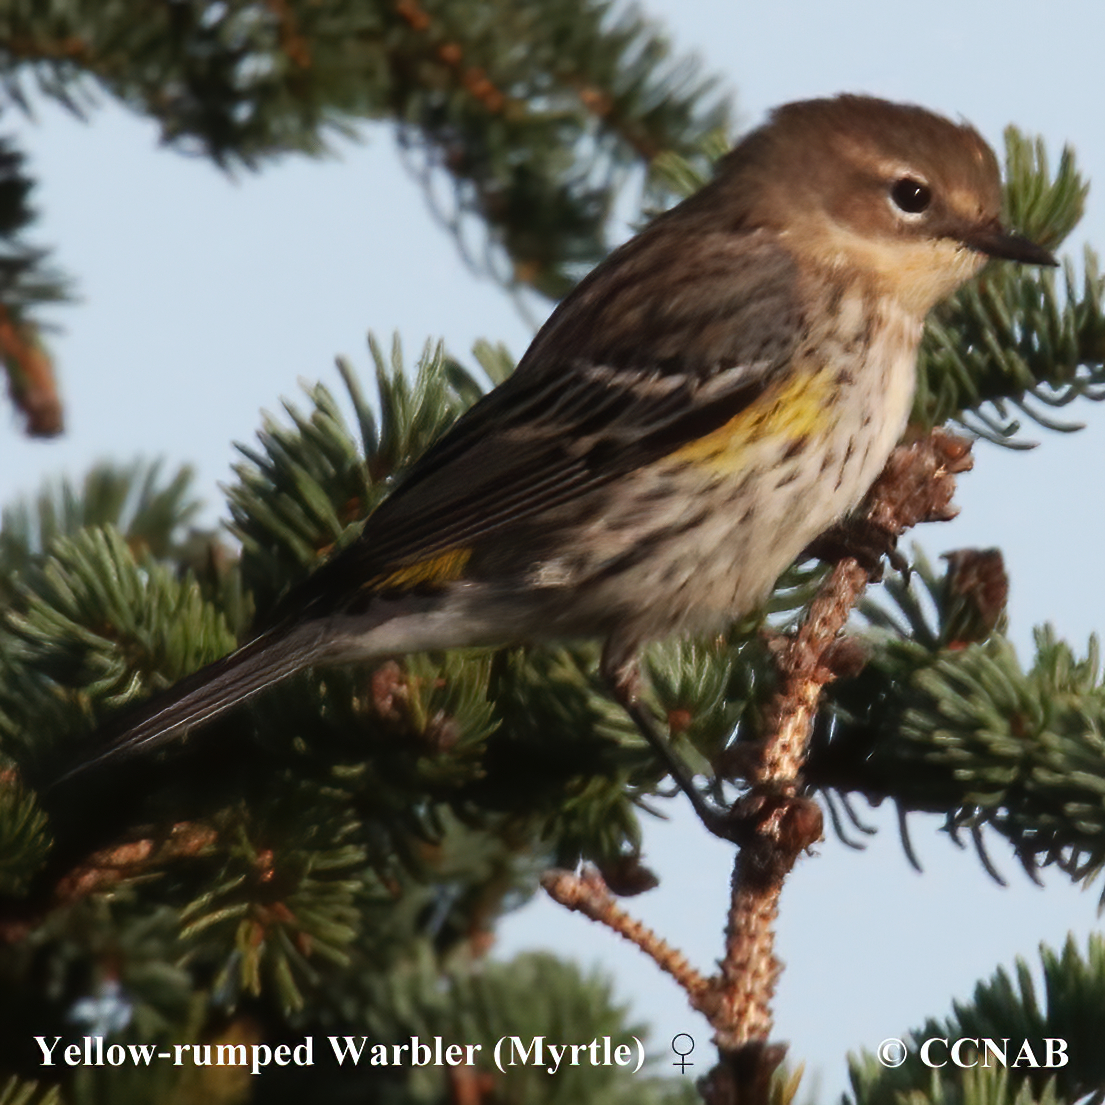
(204, 299)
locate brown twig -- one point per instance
(587, 893)
(105, 870)
(31, 382)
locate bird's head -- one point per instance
(889, 193)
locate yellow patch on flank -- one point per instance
(442, 568)
(793, 410)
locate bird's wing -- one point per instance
(662, 345)
(589, 403)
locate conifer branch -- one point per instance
(777, 821)
(27, 281)
(531, 113)
(1011, 1011)
(945, 718)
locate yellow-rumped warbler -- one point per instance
(712, 397)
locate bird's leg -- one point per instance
(624, 681)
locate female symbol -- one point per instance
(682, 1064)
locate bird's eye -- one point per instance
(910, 195)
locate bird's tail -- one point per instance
(206, 693)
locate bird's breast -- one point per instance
(702, 536)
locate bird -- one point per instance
(715, 394)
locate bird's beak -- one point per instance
(995, 241)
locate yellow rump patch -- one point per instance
(442, 568)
